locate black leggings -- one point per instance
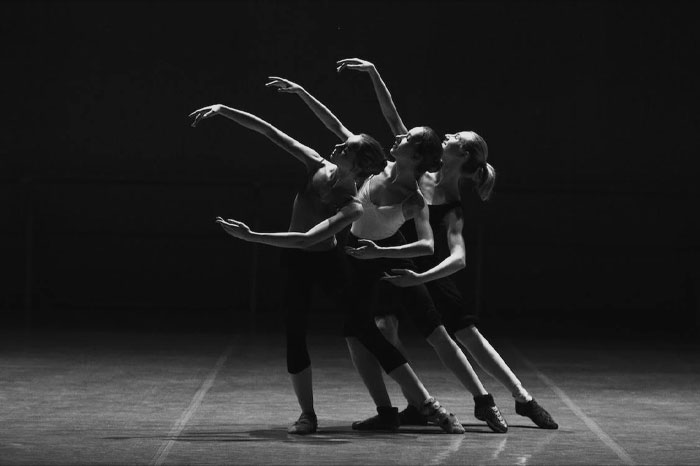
(303, 269)
(329, 269)
(369, 295)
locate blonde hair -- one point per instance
(482, 173)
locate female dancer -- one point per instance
(464, 156)
(325, 206)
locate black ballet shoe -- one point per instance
(411, 416)
(387, 419)
(537, 413)
(485, 410)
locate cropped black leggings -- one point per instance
(329, 269)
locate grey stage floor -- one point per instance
(90, 398)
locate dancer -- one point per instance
(325, 205)
(464, 157)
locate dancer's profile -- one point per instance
(325, 206)
(464, 156)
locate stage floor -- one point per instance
(98, 398)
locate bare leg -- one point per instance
(489, 360)
(370, 371)
(303, 388)
(454, 359)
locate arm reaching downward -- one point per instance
(451, 264)
(321, 111)
(305, 154)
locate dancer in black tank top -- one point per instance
(464, 156)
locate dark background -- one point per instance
(108, 197)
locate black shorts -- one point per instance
(451, 305)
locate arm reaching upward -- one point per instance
(305, 154)
(321, 111)
(391, 115)
(292, 239)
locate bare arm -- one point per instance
(305, 154)
(321, 111)
(423, 246)
(451, 264)
(391, 115)
(324, 230)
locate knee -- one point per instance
(469, 333)
(469, 336)
(439, 338)
(389, 326)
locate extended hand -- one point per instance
(204, 112)
(284, 85)
(234, 228)
(354, 64)
(402, 278)
(368, 250)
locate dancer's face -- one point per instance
(343, 154)
(403, 144)
(452, 146)
(453, 152)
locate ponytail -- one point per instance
(484, 177)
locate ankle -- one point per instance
(484, 401)
(521, 395)
(387, 410)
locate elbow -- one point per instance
(461, 262)
(428, 247)
(304, 242)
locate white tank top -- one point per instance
(376, 222)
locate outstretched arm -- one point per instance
(385, 102)
(292, 239)
(451, 264)
(305, 154)
(321, 111)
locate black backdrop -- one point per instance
(108, 196)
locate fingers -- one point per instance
(201, 114)
(282, 85)
(348, 66)
(199, 110)
(351, 63)
(276, 83)
(277, 78)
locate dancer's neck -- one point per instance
(402, 175)
(447, 182)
